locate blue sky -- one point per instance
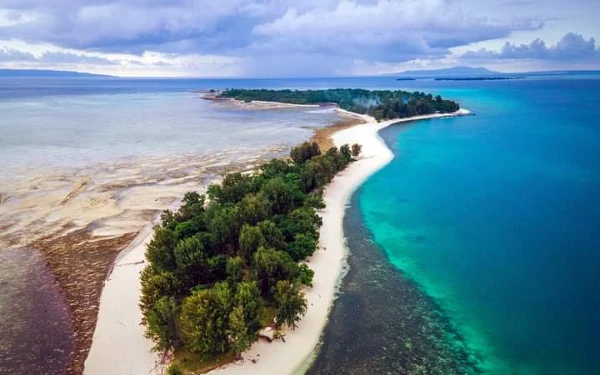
(263, 38)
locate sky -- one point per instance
(296, 38)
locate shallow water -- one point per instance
(35, 329)
(108, 161)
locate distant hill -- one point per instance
(459, 71)
(45, 73)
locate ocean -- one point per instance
(476, 250)
(494, 220)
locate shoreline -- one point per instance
(298, 351)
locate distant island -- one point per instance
(456, 72)
(381, 104)
(38, 73)
(474, 78)
(466, 73)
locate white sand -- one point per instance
(119, 346)
(295, 355)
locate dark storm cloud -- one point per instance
(572, 47)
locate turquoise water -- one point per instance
(497, 217)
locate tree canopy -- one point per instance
(223, 259)
(381, 104)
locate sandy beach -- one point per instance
(119, 346)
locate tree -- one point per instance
(303, 246)
(225, 224)
(251, 238)
(346, 154)
(283, 196)
(161, 324)
(254, 208)
(234, 270)
(156, 284)
(159, 252)
(271, 234)
(356, 149)
(233, 188)
(305, 275)
(290, 302)
(271, 266)
(191, 262)
(305, 152)
(204, 319)
(238, 333)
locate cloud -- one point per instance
(572, 47)
(7, 55)
(391, 29)
(15, 55)
(264, 37)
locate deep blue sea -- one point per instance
(493, 218)
(497, 217)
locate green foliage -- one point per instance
(303, 246)
(254, 208)
(161, 320)
(235, 270)
(251, 238)
(218, 271)
(305, 275)
(159, 252)
(272, 235)
(304, 152)
(290, 302)
(284, 196)
(271, 266)
(356, 149)
(381, 104)
(174, 369)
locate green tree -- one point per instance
(234, 187)
(356, 149)
(238, 332)
(191, 262)
(271, 266)
(303, 246)
(161, 324)
(159, 252)
(205, 319)
(244, 319)
(235, 270)
(305, 152)
(251, 238)
(290, 302)
(346, 154)
(156, 284)
(271, 234)
(254, 208)
(283, 196)
(225, 225)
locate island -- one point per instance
(380, 104)
(237, 264)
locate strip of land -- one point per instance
(296, 353)
(119, 345)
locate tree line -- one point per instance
(381, 104)
(226, 263)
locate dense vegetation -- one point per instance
(226, 263)
(381, 104)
